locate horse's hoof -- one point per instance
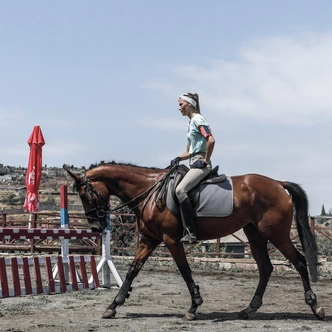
(320, 313)
(243, 315)
(108, 314)
(190, 316)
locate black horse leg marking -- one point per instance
(145, 249)
(300, 263)
(178, 254)
(196, 301)
(259, 251)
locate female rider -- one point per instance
(200, 144)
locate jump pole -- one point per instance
(64, 219)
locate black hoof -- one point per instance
(243, 315)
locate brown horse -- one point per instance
(262, 207)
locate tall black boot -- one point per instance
(187, 216)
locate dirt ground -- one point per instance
(160, 299)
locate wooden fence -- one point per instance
(237, 248)
(16, 219)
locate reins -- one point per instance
(163, 185)
(101, 211)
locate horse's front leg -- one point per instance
(178, 253)
(146, 247)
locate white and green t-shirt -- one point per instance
(196, 140)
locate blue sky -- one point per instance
(102, 79)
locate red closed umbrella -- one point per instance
(36, 142)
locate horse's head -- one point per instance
(95, 200)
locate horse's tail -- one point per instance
(308, 241)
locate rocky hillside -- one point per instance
(13, 190)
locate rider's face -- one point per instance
(184, 107)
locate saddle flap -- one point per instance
(178, 175)
(210, 199)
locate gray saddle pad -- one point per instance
(210, 199)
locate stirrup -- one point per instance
(189, 238)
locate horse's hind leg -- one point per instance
(145, 249)
(259, 252)
(178, 254)
(287, 248)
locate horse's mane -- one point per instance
(102, 163)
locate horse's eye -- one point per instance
(83, 192)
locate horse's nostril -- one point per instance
(96, 226)
(95, 229)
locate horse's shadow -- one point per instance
(261, 316)
(232, 316)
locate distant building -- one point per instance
(3, 170)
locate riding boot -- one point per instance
(187, 216)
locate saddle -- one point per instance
(212, 197)
(182, 170)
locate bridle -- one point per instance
(99, 210)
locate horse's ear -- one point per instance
(75, 176)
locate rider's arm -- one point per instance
(185, 155)
(209, 148)
(206, 132)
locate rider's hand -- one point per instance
(175, 161)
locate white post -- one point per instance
(64, 225)
(106, 265)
